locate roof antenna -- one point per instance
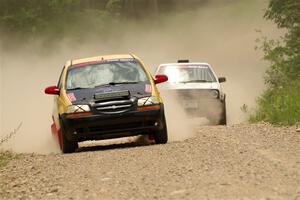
(132, 55)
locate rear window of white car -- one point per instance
(187, 73)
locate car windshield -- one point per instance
(187, 73)
(111, 72)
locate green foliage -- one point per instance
(114, 7)
(284, 55)
(280, 103)
(58, 18)
(30, 15)
(31, 18)
(286, 14)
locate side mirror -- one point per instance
(160, 78)
(222, 79)
(52, 90)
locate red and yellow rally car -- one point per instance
(106, 97)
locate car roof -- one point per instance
(99, 58)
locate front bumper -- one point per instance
(108, 126)
(202, 107)
(199, 102)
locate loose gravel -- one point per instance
(249, 162)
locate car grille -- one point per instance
(198, 102)
(116, 106)
(193, 94)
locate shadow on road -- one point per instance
(114, 144)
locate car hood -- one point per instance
(180, 86)
(85, 96)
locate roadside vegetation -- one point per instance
(280, 103)
(5, 157)
(54, 20)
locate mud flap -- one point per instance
(59, 136)
(53, 130)
(56, 134)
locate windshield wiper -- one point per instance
(120, 83)
(116, 83)
(78, 88)
(196, 81)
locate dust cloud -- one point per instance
(220, 34)
(180, 126)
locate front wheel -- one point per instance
(66, 145)
(223, 120)
(161, 136)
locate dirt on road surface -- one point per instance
(233, 162)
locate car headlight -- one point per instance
(148, 101)
(78, 109)
(214, 93)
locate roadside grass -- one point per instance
(280, 106)
(5, 157)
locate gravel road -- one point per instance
(258, 162)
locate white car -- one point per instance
(197, 88)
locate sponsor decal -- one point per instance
(197, 66)
(71, 96)
(184, 66)
(121, 60)
(101, 61)
(111, 95)
(85, 64)
(148, 88)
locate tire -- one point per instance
(223, 120)
(161, 136)
(67, 146)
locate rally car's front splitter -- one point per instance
(98, 127)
